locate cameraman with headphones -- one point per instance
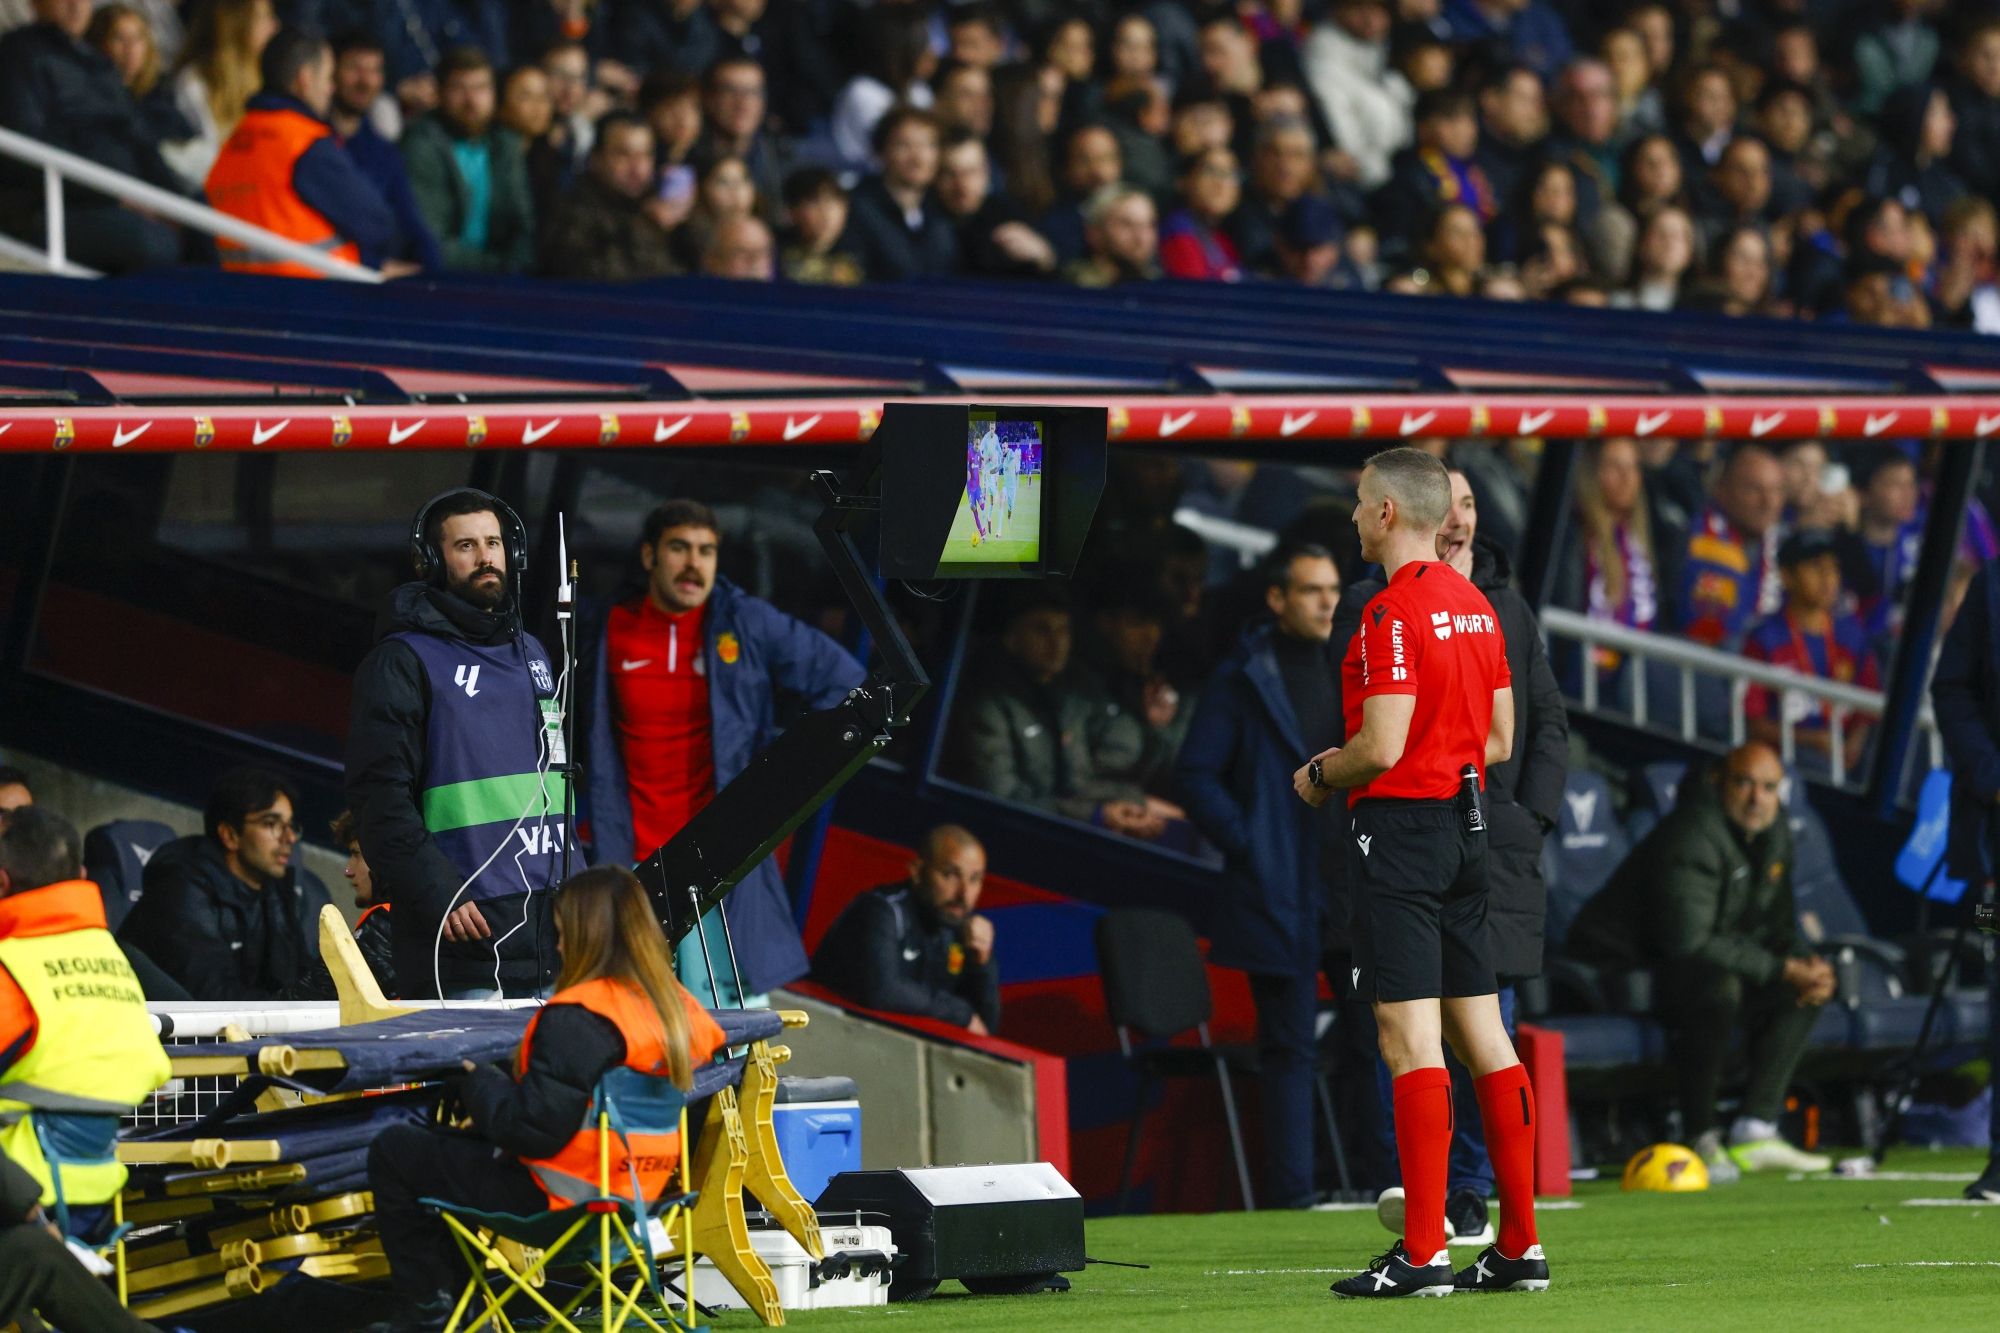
(455, 764)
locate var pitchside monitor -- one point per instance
(975, 491)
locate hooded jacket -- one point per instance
(217, 936)
(387, 743)
(1523, 795)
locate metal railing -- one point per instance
(58, 166)
(1691, 662)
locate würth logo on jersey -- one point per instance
(1443, 623)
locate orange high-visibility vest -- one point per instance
(571, 1175)
(252, 180)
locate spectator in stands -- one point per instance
(1585, 103)
(1121, 240)
(1033, 732)
(1975, 103)
(1705, 902)
(226, 43)
(1635, 84)
(577, 103)
(1528, 31)
(527, 109)
(1650, 177)
(964, 98)
(283, 169)
(1513, 123)
(895, 227)
(741, 248)
(683, 687)
(1798, 170)
(422, 36)
(1663, 262)
(1739, 186)
(919, 946)
(357, 86)
(1366, 103)
(1272, 700)
(609, 228)
(1729, 571)
(1965, 694)
(56, 88)
(897, 64)
(1441, 168)
(1310, 245)
(723, 192)
(126, 38)
(1193, 241)
(1913, 165)
(1283, 169)
(1454, 253)
(816, 216)
(1817, 493)
(16, 793)
(1968, 281)
(470, 175)
(1879, 558)
(995, 238)
(1619, 578)
(1814, 637)
(672, 103)
(1091, 161)
(734, 110)
(226, 912)
(1743, 272)
(975, 36)
(1121, 650)
(1898, 49)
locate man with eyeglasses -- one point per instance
(226, 912)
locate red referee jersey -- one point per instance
(1432, 634)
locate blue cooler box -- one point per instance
(818, 1141)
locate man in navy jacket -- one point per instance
(1965, 694)
(1271, 702)
(684, 687)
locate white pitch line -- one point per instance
(1951, 1203)
(1272, 1272)
(1938, 1263)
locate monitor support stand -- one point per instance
(792, 777)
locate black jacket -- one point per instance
(1524, 794)
(217, 936)
(536, 1116)
(1965, 694)
(888, 247)
(376, 940)
(386, 739)
(887, 951)
(65, 93)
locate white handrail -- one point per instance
(58, 166)
(1249, 543)
(1692, 659)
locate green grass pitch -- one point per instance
(1767, 1253)
(1023, 529)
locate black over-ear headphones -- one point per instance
(429, 560)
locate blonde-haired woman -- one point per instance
(217, 79)
(125, 37)
(531, 1147)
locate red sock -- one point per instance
(1507, 1107)
(1423, 1144)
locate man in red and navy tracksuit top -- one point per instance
(1429, 705)
(683, 695)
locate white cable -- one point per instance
(541, 785)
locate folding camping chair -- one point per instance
(626, 1102)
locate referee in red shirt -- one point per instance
(1428, 697)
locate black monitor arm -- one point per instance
(814, 758)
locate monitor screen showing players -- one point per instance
(998, 526)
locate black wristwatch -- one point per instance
(1316, 775)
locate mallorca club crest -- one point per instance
(727, 649)
(204, 432)
(475, 432)
(607, 429)
(343, 431)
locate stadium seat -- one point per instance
(1654, 793)
(1156, 984)
(1589, 845)
(114, 858)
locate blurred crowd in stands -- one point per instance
(1832, 159)
(1798, 556)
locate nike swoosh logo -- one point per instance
(398, 433)
(1292, 425)
(662, 431)
(1411, 425)
(1876, 425)
(120, 437)
(1987, 425)
(4, 428)
(1174, 425)
(531, 432)
(794, 429)
(1650, 422)
(258, 435)
(1534, 421)
(1761, 425)
(627, 664)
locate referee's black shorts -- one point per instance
(1419, 902)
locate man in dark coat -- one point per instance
(683, 691)
(895, 225)
(606, 229)
(226, 913)
(1705, 900)
(920, 946)
(1523, 796)
(1273, 701)
(1965, 694)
